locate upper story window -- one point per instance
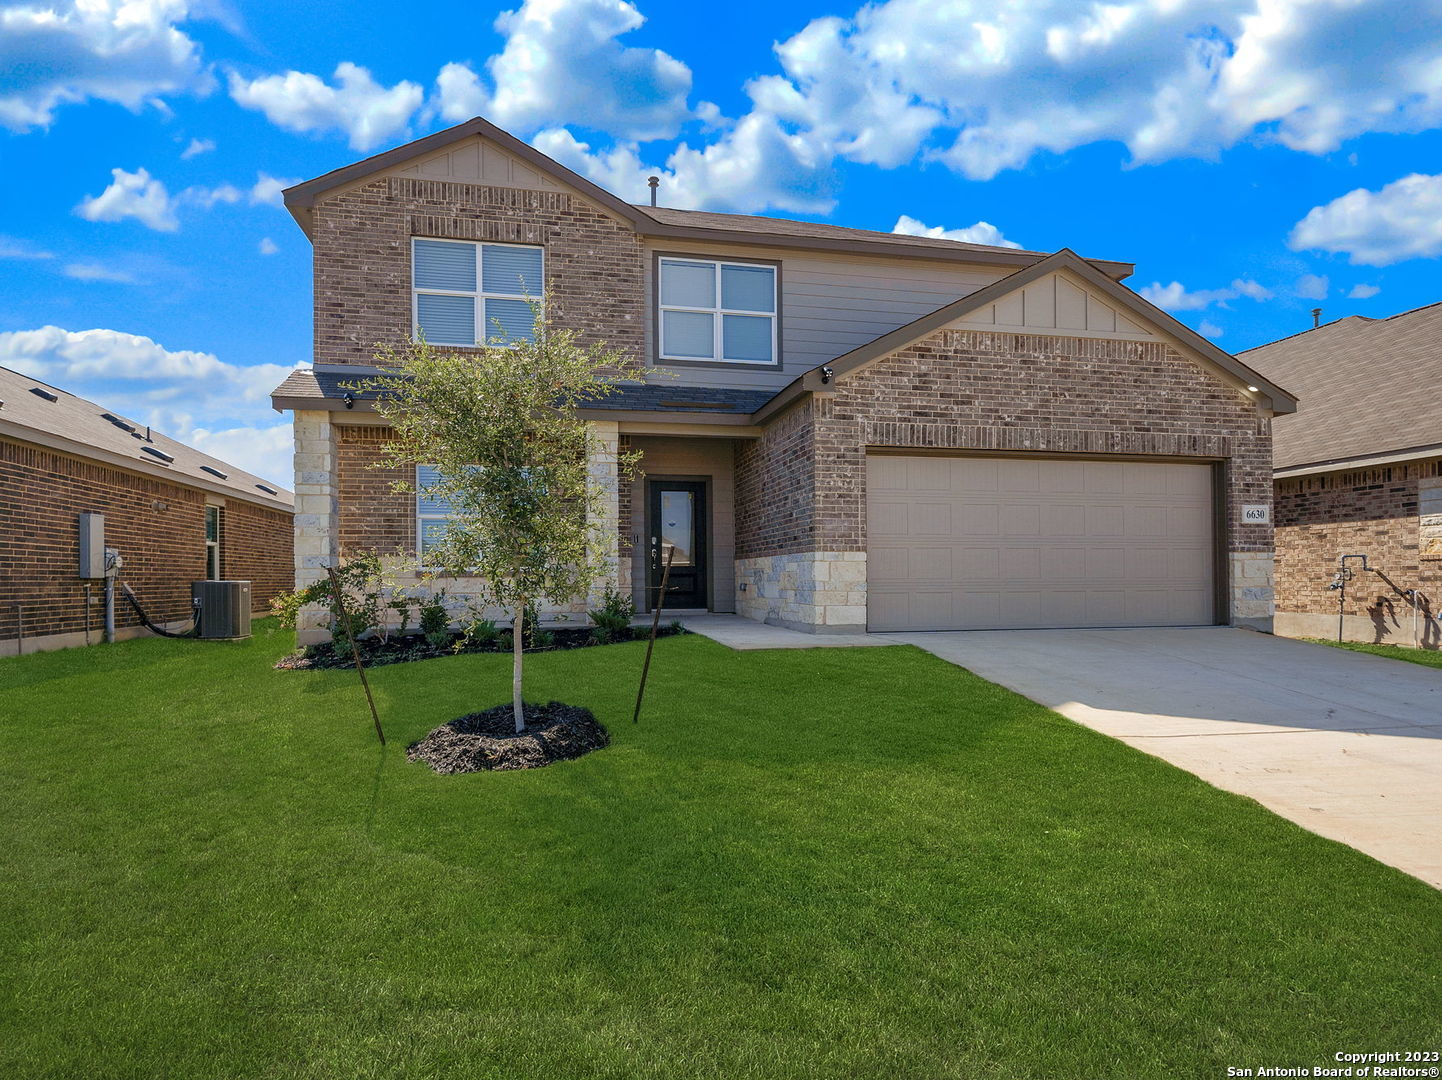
(718, 311)
(467, 293)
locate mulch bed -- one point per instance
(401, 649)
(488, 740)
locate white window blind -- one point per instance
(469, 293)
(432, 511)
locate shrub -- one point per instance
(401, 605)
(481, 632)
(541, 639)
(436, 620)
(613, 617)
(360, 602)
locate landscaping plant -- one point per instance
(359, 610)
(613, 618)
(513, 460)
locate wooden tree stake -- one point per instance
(341, 613)
(655, 623)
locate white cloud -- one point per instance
(196, 148)
(1363, 292)
(267, 190)
(364, 110)
(124, 51)
(983, 232)
(562, 63)
(1001, 83)
(11, 248)
(1176, 297)
(208, 197)
(1377, 228)
(267, 246)
(96, 272)
(1209, 329)
(754, 165)
(141, 196)
(223, 409)
(1312, 287)
(132, 195)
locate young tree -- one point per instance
(513, 460)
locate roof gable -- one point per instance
(505, 160)
(477, 160)
(1006, 298)
(1058, 301)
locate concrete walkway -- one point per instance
(737, 632)
(1345, 744)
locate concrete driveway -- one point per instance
(1345, 744)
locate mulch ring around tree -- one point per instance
(488, 740)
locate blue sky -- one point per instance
(1254, 158)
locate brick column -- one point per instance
(605, 476)
(315, 514)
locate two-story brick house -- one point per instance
(858, 429)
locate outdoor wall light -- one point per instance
(826, 373)
(1253, 389)
(349, 400)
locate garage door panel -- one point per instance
(931, 518)
(1021, 564)
(1020, 519)
(977, 519)
(976, 543)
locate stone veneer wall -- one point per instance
(361, 239)
(345, 506)
(1390, 513)
(802, 487)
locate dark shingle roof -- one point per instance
(30, 406)
(812, 230)
(307, 384)
(1367, 386)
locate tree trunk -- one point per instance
(517, 634)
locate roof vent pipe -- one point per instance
(653, 182)
(1316, 317)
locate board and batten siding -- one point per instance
(830, 304)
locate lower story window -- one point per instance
(212, 543)
(433, 512)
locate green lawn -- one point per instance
(1425, 657)
(830, 863)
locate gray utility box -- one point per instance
(224, 608)
(92, 546)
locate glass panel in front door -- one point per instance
(677, 519)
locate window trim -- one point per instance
(212, 547)
(717, 333)
(479, 296)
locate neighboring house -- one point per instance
(175, 515)
(1359, 472)
(863, 430)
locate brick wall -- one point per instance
(1374, 512)
(776, 487)
(371, 516)
(979, 390)
(157, 525)
(363, 272)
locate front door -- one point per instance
(678, 520)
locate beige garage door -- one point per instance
(983, 543)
